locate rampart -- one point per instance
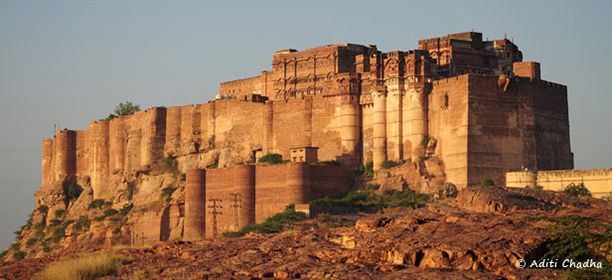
(241, 195)
(598, 181)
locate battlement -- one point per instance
(598, 181)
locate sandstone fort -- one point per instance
(456, 109)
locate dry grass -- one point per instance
(82, 267)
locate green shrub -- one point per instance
(274, 224)
(271, 158)
(19, 255)
(99, 218)
(44, 209)
(577, 190)
(96, 203)
(126, 208)
(167, 193)
(3, 254)
(580, 238)
(126, 108)
(372, 187)
(170, 164)
(59, 212)
(487, 182)
(110, 212)
(389, 164)
(55, 222)
(367, 169)
(72, 191)
(45, 247)
(82, 223)
(370, 201)
(31, 241)
(60, 231)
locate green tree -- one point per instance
(577, 190)
(124, 109)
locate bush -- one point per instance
(170, 164)
(31, 241)
(274, 224)
(487, 182)
(126, 208)
(59, 212)
(110, 212)
(96, 203)
(370, 201)
(91, 266)
(45, 247)
(72, 191)
(19, 255)
(372, 187)
(577, 190)
(3, 254)
(367, 169)
(389, 164)
(126, 108)
(167, 193)
(55, 222)
(44, 209)
(271, 158)
(82, 223)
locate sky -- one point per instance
(68, 62)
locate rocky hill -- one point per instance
(482, 234)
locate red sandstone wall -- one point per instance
(230, 192)
(496, 142)
(195, 205)
(329, 181)
(279, 186)
(448, 124)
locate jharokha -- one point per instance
(456, 109)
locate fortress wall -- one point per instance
(329, 181)
(133, 144)
(83, 156)
(195, 205)
(98, 141)
(379, 131)
(327, 118)
(205, 142)
(551, 118)
(349, 125)
(598, 181)
(172, 144)
(241, 87)
(47, 164)
(495, 141)
(117, 135)
(231, 193)
(290, 127)
(190, 128)
(153, 131)
(416, 116)
(278, 186)
(448, 124)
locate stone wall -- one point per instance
(228, 199)
(598, 181)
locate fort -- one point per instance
(456, 109)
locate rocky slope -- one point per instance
(479, 235)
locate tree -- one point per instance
(124, 109)
(577, 190)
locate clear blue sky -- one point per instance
(72, 61)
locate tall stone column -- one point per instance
(195, 205)
(99, 145)
(268, 126)
(117, 139)
(64, 155)
(153, 135)
(47, 164)
(349, 124)
(417, 115)
(394, 119)
(379, 137)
